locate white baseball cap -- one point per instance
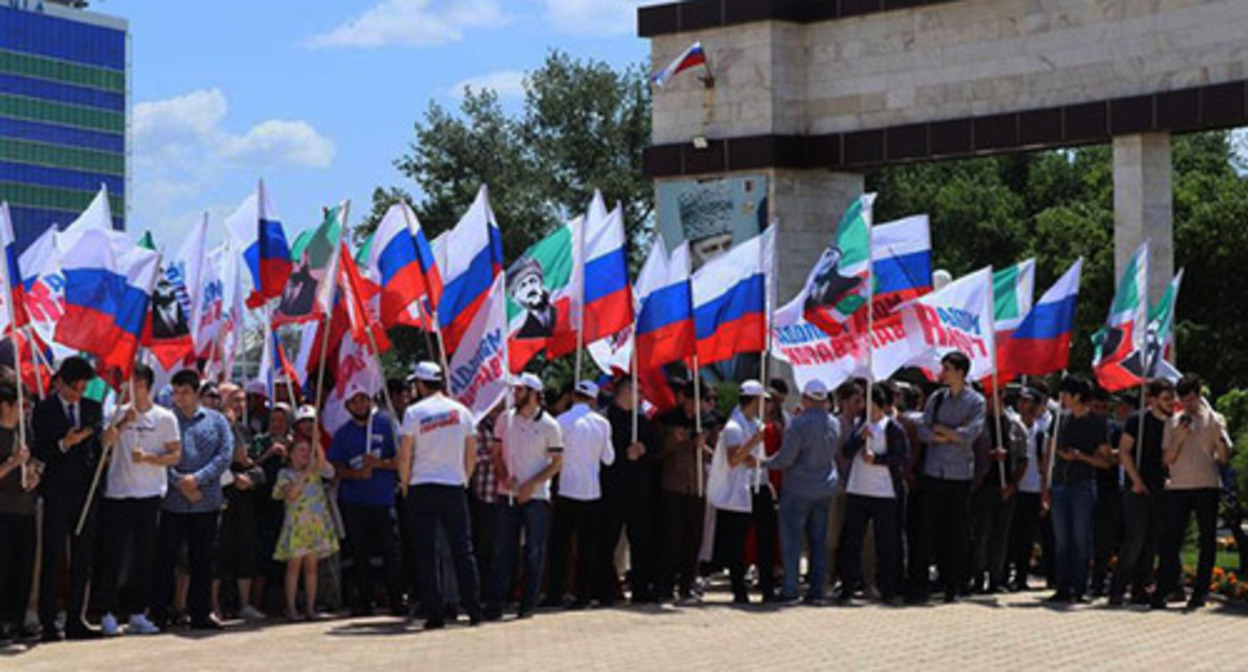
(815, 389)
(528, 380)
(587, 388)
(355, 388)
(753, 388)
(305, 412)
(428, 372)
(258, 387)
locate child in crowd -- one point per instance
(307, 531)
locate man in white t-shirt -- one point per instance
(578, 507)
(437, 451)
(527, 453)
(144, 440)
(730, 487)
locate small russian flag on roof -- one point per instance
(690, 58)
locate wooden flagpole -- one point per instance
(697, 423)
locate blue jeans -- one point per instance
(798, 515)
(1074, 518)
(510, 519)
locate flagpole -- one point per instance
(578, 237)
(35, 358)
(764, 252)
(636, 392)
(996, 412)
(697, 422)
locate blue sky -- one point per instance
(319, 98)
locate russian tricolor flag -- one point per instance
(689, 58)
(730, 300)
(901, 263)
(665, 329)
(106, 302)
(607, 300)
(1041, 344)
(402, 260)
(474, 257)
(258, 229)
(15, 288)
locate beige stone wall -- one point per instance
(952, 60)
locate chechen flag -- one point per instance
(689, 58)
(1123, 332)
(1012, 291)
(106, 302)
(1041, 343)
(541, 289)
(836, 288)
(257, 229)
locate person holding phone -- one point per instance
(1195, 444)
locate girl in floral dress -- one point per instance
(307, 532)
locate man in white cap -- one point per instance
(363, 454)
(527, 452)
(437, 451)
(807, 458)
(257, 406)
(578, 507)
(730, 487)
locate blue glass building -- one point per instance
(64, 112)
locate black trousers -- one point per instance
(682, 538)
(126, 525)
(884, 514)
(1177, 507)
(370, 531)
(632, 514)
(60, 518)
(582, 519)
(17, 566)
(482, 515)
(992, 516)
(732, 529)
(237, 554)
(199, 532)
(1023, 531)
(1106, 536)
(430, 505)
(1141, 535)
(766, 537)
(944, 534)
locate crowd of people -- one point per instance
(215, 502)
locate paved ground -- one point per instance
(1008, 633)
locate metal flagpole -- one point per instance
(636, 392)
(996, 412)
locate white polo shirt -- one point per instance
(149, 432)
(527, 447)
(438, 426)
(730, 488)
(587, 443)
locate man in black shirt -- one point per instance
(1082, 447)
(1108, 498)
(629, 489)
(1141, 510)
(18, 479)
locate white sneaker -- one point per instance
(139, 625)
(108, 626)
(250, 613)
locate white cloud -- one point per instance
(593, 17)
(182, 148)
(412, 23)
(506, 83)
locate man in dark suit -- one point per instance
(67, 431)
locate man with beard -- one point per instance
(629, 490)
(527, 287)
(527, 453)
(362, 452)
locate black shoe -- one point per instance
(1116, 600)
(474, 617)
(1059, 597)
(51, 634)
(524, 613)
(492, 613)
(450, 613)
(577, 604)
(550, 603)
(1197, 602)
(434, 624)
(28, 634)
(951, 597)
(1139, 599)
(1157, 602)
(1079, 598)
(209, 623)
(740, 599)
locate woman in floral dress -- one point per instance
(307, 532)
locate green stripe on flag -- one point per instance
(554, 255)
(1127, 298)
(1006, 304)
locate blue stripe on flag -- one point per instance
(744, 298)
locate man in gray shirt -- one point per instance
(952, 421)
(807, 460)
